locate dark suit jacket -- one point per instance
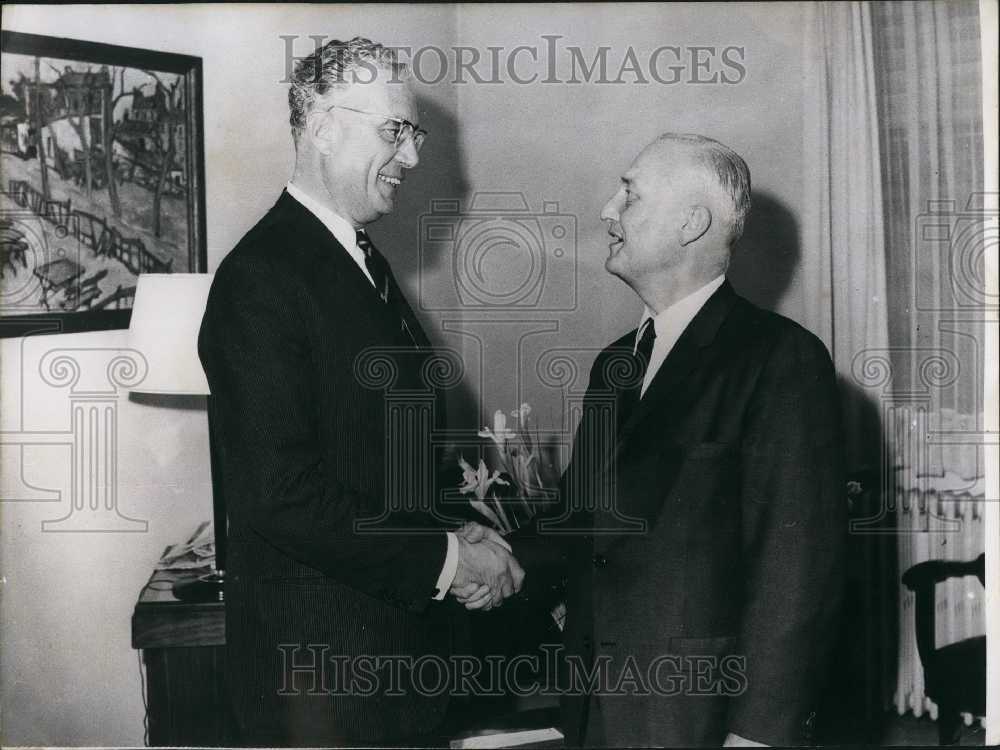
(300, 439)
(725, 597)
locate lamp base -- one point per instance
(204, 588)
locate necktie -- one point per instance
(643, 352)
(376, 264)
(378, 267)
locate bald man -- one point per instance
(703, 527)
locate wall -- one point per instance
(69, 676)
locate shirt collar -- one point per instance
(683, 311)
(339, 227)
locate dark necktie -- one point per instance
(643, 352)
(378, 268)
(376, 264)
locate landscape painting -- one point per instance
(101, 179)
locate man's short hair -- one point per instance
(729, 170)
(337, 64)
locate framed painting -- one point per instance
(101, 179)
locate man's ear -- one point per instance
(319, 129)
(696, 223)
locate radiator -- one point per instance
(941, 519)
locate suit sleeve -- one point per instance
(793, 539)
(254, 348)
(545, 554)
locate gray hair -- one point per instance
(336, 65)
(729, 170)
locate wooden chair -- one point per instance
(954, 676)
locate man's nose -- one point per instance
(610, 210)
(407, 154)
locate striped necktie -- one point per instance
(378, 267)
(376, 264)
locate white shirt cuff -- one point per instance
(450, 567)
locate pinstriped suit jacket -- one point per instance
(300, 442)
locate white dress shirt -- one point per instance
(339, 227)
(670, 324)
(345, 233)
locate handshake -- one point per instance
(487, 571)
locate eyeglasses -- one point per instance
(403, 131)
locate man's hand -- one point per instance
(474, 532)
(487, 572)
(477, 595)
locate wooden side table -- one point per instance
(183, 649)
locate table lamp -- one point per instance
(166, 317)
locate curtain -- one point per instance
(895, 222)
(844, 274)
(844, 280)
(929, 83)
(894, 280)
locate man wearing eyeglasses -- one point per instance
(324, 620)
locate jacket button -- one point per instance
(600, 561)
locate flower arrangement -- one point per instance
(510, 491)
(518, 481)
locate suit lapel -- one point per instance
(411, 326)
(673, 389)
(353, 279)
(666, 388)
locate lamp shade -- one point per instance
(166, 317)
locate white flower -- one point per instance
(470, 478)
(518, 467)
(522, 413)
(499, 434)
(477, 480)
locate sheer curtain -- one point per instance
(897, 236)
(844, 278)
(928, 79)
(895, 220)
(844, 273)
(929, 83)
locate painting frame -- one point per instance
(187, 123)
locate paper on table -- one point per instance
(507, 739)
(197, 552)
